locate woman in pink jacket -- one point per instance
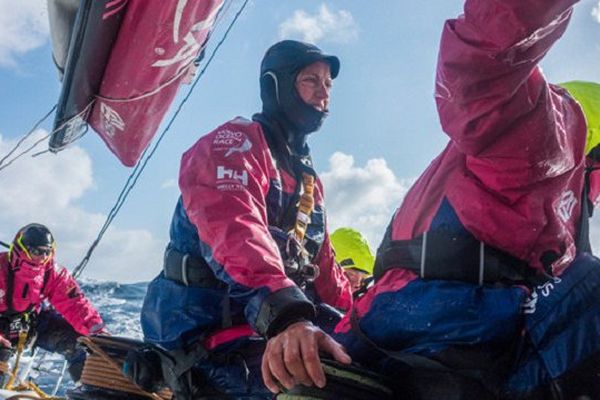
(28, 277)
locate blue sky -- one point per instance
(382, 132)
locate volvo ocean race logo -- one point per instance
(245, 146)
(111, 120)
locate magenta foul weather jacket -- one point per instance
(512, 173)
(513, 169)
(33, 285)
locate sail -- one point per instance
(125, 62)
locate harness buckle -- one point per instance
(184, 273)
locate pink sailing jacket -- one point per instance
(33, 285)
(512, 174)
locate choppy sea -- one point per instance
(119, 304)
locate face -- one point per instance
(355, 278)
(40, 255)
(313, 84)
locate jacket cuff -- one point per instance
(282, 308)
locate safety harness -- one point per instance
(446, 256)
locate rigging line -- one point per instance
(34, 145)
(35, 126)
(147, 154)
(4, 244)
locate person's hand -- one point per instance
(4, 342)
(292, 357)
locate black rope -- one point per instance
(3, 244)
(141, 165)
(20, 142)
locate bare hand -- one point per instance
(5, 342)
(292, 357)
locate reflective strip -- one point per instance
(481, 262)
(423, 254)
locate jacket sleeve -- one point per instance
(493, 99)
(223, 194)
(66, 297)
(331, 285)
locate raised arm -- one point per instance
(488, 81)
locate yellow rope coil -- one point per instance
(104, 371)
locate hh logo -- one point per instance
(565, 206)
(226, 174)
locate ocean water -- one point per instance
(119, 304)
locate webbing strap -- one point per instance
(305, 207)
(439, 255)
(582, 244)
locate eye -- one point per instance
(311, 81)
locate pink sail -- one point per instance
(154, 51)
(121, 63)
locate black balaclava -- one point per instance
(281, 102)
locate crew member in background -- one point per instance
(249, 254)
(353, 254)
(29, 276)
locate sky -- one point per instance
(382, 131)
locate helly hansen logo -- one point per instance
(565, 205)
(226, 174)
(541, 291)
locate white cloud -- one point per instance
(596, 12)
(23, 27)
(46, 189)
(325, 25)
(362, 197)
(169, 184)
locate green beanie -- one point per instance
(352, 250)
(588, 96)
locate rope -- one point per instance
(20, 347)
(13, 375)
(35, 126)
(149, 152)
(36, 143)
(105, 371)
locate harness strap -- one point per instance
(582, 243)
(188, 270)
(305, 207)
(439, 255)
